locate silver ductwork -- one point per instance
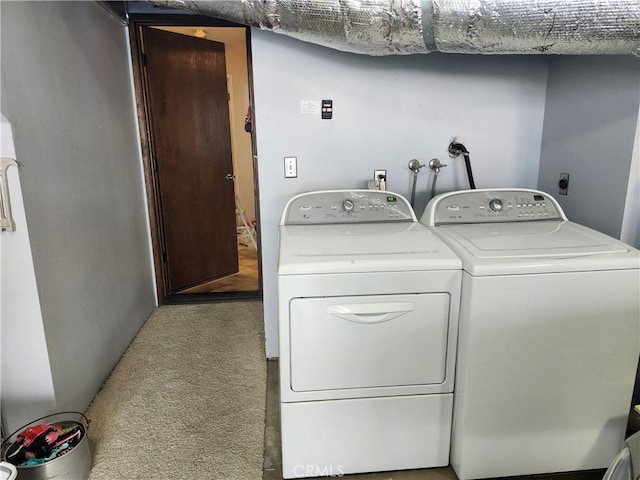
(573, 27)
(400, 27)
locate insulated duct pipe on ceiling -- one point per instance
(400, 27)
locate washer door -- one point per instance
(372, 341)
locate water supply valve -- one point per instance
(414, 166)
(436, 165)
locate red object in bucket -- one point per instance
(40, 441)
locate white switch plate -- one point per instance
(290, 167)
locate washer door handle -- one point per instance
(371, 312)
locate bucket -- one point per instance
(65, 453)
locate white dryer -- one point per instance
(368, 321)
(548, 338)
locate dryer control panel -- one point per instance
(347, 206)
(492, 206)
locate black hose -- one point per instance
(460, 149)
(467, 163)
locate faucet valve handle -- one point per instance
(415, 166)
(435, 164)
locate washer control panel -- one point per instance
(491, 206)
(347, 206)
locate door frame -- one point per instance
(149, 168)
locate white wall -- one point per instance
(66, 89)
(387, 110)
(589, 129)
(236, 54)
(27, 384)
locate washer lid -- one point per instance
(536, 247)
(357, 248)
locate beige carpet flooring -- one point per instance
(187, 399)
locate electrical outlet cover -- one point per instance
(376, 178)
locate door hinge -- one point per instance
(143, 57)
(165, 257)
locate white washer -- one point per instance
(548, 339)
(368, 319)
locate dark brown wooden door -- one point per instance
(189, 112)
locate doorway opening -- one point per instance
(194, 93)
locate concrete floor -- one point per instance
(273, 460)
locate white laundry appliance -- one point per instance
(368, 321)
(548, 337)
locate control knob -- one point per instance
(496, 205)
(347, 206)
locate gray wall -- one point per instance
(630, 232)
(387, 111)
(589, 130)
(66, 91)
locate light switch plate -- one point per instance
(290, 167)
